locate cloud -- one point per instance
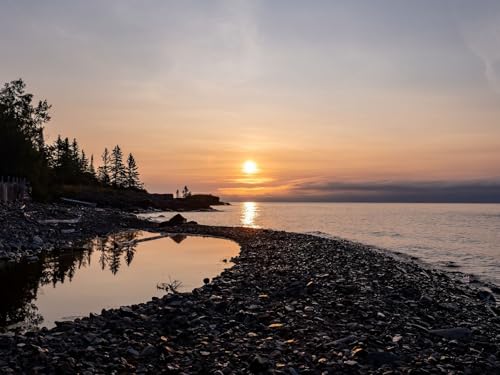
(251, 180)
(322, 189)
(219, 49)
(376, 191)
(255, 192)
(480, 28)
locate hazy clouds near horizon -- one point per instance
(315, 91)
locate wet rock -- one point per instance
(381, 358)
(458, 333)
(37, 241)
(148, 351)
(259, 364)
(295, 289)
(495, 289)
(175, 220)
(486, 295)
(344, 341)
(133, 352)
(425, 300)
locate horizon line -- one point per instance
(358, 201)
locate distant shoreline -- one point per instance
(363, 202)
(138, 200)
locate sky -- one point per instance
(334, 100)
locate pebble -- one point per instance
(458, 333)
(23, 237)
(291, 304)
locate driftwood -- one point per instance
(59, 221)
(78, 203)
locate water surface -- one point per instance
(110, 272)
(466, 236)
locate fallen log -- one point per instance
(78, 202)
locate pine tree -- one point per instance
(84, 163)
(57, 153)
(117, 169)
(185, 192)
(104, 169)
(132, 174)
(75, 154)
(91, 169)
(63, 161)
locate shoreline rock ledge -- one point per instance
(291, 304)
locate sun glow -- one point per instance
(249, 214)
(250, 167)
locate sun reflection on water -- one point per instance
(249, 214)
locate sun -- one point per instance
(250, 167)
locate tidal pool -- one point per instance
(122, 269)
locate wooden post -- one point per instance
(13, 189)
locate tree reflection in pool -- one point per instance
(121, 269)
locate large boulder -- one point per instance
(174, 221)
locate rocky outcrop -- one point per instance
(177, 219)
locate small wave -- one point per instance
(318, 233)
(327, 236)
(496, 216)
(449, 264)
(386, 234)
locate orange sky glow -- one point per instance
(317, 95)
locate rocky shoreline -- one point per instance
(26, 230)
(291, 304)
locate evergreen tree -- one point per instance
(105, 168)
(132, 174)
(84, 163)
(22, 147)
(185, 192)
(64, 163)
(69, 165)
(117, 169)
(56, 153)
(75, 156)
(91, 169)
(17, 105)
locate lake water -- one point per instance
(466, 236)
(110, 272)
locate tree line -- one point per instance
(24, 152)
(186, 193)
(71, 166)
